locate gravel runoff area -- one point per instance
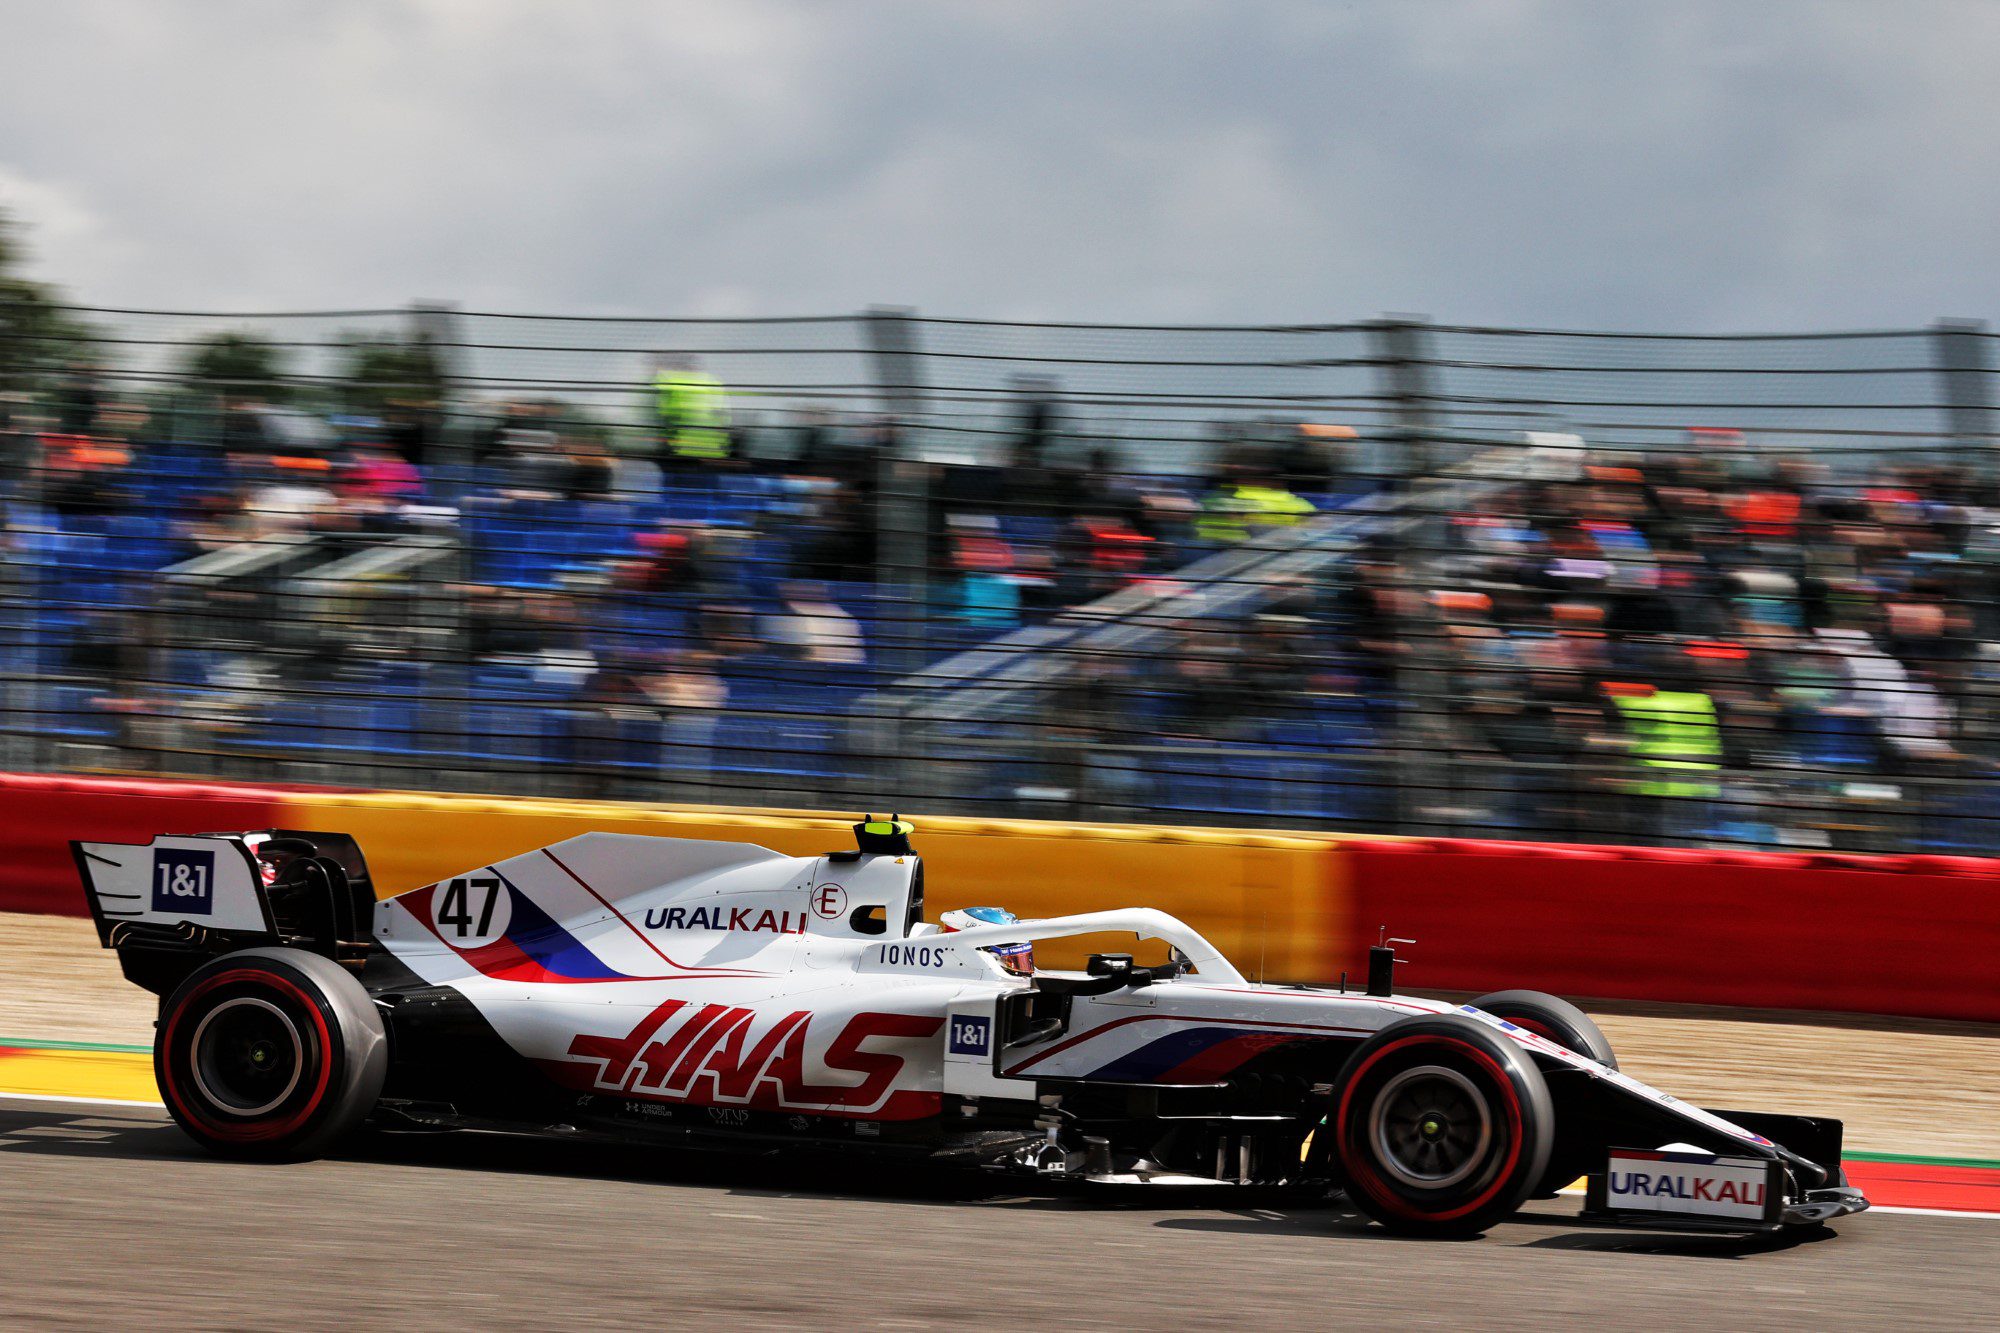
(1902, 1085)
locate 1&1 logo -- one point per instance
(183, 882)
(970, 1036)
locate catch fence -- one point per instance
(1382, 576)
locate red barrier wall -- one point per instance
(39, 815)
(1889, 935)
(1916, 935)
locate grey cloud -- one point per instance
(1700, 165)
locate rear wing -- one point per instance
(170, 904)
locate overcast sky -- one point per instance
(1575, 163)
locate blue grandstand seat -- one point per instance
(686, 504)
(342, 724)
(776, 744)
(1316, 789)
(138, 541)
(606, 528)
(1185, 775)
(1324, 722)
(506, 732)
(189, 666)
(506, 681)
(1835, 740)
(391, 726)
(43, 545)
(765, 680)
(1964, 824)
(1029, 531)
(638, 750)
(290, 723)
(70, 711)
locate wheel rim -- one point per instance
(248, 1056)
(1431, 1127)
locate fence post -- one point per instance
(441, 616)
(1963, 355)
(1401, 348)
(17, 662)
(902, 502)
(435, 326)
(23, 581)
(1418, 741)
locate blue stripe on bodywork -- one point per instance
(1159, 1055)
(536, 934)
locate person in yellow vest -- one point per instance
(1675, 741)
(1234, 511)
(692, 410)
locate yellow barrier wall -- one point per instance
(1276, 904)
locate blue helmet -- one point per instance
(1016, 958)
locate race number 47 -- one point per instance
(471, 908)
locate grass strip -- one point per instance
(36, 1044)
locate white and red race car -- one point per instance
(660, 989)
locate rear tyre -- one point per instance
(1547, 1016)
(271, 1054)
(1441, 1126)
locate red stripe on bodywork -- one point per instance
(643, 938)
(1226, 1057)
(503, 960)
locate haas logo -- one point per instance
(707, 1057)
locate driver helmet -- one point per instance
(1016, 958)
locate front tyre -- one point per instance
(270, 1054)
(1566, 1025)
(1552, 1017)
(1442, 1127)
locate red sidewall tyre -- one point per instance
(1552, 1017)
(1484, 1096)
(269, 1053)
(1564, 1024)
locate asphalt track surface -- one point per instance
(110, 1218)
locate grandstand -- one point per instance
(1380, 578)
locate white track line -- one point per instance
(1931, 1212)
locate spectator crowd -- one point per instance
(1693, 643)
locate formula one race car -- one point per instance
(657, 990)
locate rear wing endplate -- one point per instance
(167, 904)
(210, 881)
